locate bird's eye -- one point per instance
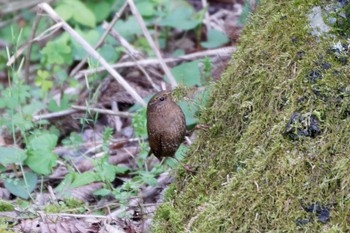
(162, 98)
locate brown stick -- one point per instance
(224, 52)
(35, 26)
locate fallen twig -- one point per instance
(206, 15)
(13, 6)
(221, 52)
(53, 115)
(30, 43)
(80, 108)
(103, 111)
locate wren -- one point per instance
(166, 125)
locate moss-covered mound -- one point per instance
(277, 156)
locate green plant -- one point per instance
(215, 39)
(74, 139)
(66, 205)
(103, 171)
(139, 123)
(37, 154)
(5, 206)
(22, 187)
(68, 9)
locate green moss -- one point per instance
(68, 204)
(4, 221)
(52, 208)
(256, 174)
(168, 219)
(5, 206)
(73, 203)
(4, 225)
(169, 193)
(23, 204)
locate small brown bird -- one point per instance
(166, 125)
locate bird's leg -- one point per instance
(150, 158)
(187, 167)
(148, 163)
(204, 127)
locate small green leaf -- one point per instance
(146, 8)
(74, 180)
(244, 17)
(91, 36)
(215, 39)
(189, 110)
(178, 52)
(10, 155)
(183, 18)
(120, 169)
(40, 158)
(45, 141)
(131, 185)
(74, 139)
(41, 161)
(54, 107)
(19, 188)
(128, 28)
(85, 16)
(102, 192)
(9, 102)
(171, 162)
(139, 123)
(57, 52)
(136, 106)
(42, 80)
(121, 195)
(22, 122)
(33, 107)
(193, 107)
(43, 74)
(101, 10)
(109, 53)
(64, 186)
(65, 11)
(187, 74)
(107, 173)
(15, 95)
(85, 178)
(77, 10)
(148, 178)
(181, 152)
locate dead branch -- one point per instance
(221, 52)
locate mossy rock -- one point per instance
(277, 155)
